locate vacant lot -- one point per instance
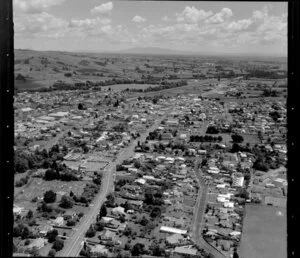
(264, 232)
(38, 187)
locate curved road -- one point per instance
(74, 244)
(200, 210)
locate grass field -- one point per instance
(38, 187)
(264, 232)
(120, 87)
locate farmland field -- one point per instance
(264, 232)
(131, 86)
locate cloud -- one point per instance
(239, 25)
(220, 17)
(40, 24)
(103, 9)
(192, 15)
(89, 23)
(138, 19)
(165, 19)
(34, 6)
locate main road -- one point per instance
(199, 214)
(74, 244)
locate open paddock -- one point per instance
(39, 186)
(264, 232)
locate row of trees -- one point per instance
(206, 138)
(24, 160)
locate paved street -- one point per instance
(199, 214)
(72, 245)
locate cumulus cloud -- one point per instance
(239, 25)
(165, 19)
(40, 24)
(138, 19)
(220, 17)
(103, 8)
(34, 6)
(192, 15)
(89, 23)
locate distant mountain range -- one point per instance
(157, 51)
(164, 51)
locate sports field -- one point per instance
(264, 232)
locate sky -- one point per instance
(101, 26)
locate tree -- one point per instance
(25, 233)
(110, 200)
(137, 164)
(127, 246)
(156, 250)
(235, 254)
(91, 232)
(17, 230)
(58, 245)
(52, 253)
(85, 149)
(29, 214)
(44, 207)
(103, 211)
(127, 232)
(71, 222)
(35, 252)
(49, 197)
(149, 198)
(137, 249)
(156, 212)
(144, 221)
(51, 174)
(236, 138)
(212, 130)
(99, 226)
(51, 235)
(235, 148)
(66, 202)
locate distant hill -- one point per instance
(156, 51)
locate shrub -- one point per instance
(49, 197)
(58, 245)
(66, 202)
(52, 253)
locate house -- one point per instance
(59, 221)
(69, 215)
(225, 245)
(18, 210)
(45, 229)
(135, 204)
(118, 211)
(38, 243)
(106, 219)
(175, 239)
(107, 235)
(171, 230)
(186, 250)
(113, 224)
(140, 181)
(97, 250)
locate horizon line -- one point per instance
(181, 52)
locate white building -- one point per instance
(172, 230)
(237, 179)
